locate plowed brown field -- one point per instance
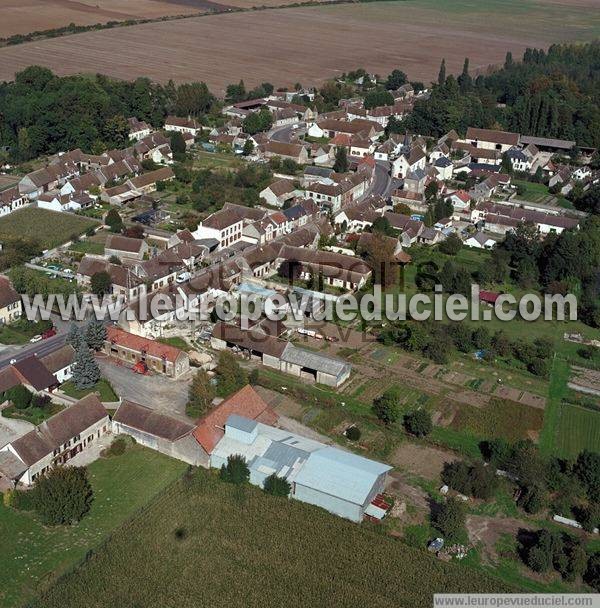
(311, 44)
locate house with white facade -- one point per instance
(138, 129)
(182, 125)
(55, 441)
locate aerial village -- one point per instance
(336, 177)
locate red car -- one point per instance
(140, 368)
(48, 333)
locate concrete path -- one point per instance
(157, 392)
(11, 429)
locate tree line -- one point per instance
(553, 93)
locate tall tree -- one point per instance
(465, 82)
(450, 519)
(86, 372)
(231, 377)
(101, 283)
(62, 496)
(113, 220)
(75, 336)
(442, 73)
(395, 80)
(178, 146)
(341, 160)
(200, 395)
(95, 334)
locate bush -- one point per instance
(386, 408)
(539, 367)
(41, 401)
(592, 573)
(353, 433)
(116, 448)
(418, 423)
(475, 480)
(452, 245)
(19, 500)
(532, 499)
(236, 470)
(62, 496)
(19, 396)
(277, 486)
(450, 520)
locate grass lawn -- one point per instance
(534, 192)
(578, 429)
(215, 160)
(50, 228)
(35, 415)
(177, 342)
(33, 555)
(103, 387)
(88, 246)
(568, 428)
(559, 377)
(206, 530)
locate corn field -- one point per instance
(208, 543)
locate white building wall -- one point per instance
(330, 503)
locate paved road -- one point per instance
(286, 133)
(157, 392)
(39, 348)
(382, 184)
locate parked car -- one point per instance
(140, 368)
(48, 333)
(184, 276)
(35, 339)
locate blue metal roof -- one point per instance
(341, 474)
(241, 423)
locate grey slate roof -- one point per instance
(318, 171)
(312, 360)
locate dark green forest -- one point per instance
(41, 113)
(554, 93)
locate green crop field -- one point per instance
(578, 429)
(208, 543)
(32, 555)
(49, 228)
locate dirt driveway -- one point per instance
(157, 392)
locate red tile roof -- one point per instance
(488, 296)
(246, 402)
(138, 344)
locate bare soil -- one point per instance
(284, 46)
(422, 460)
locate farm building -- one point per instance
(158, 432)
(340, 482)
(54, 442)
(246, 402)
(157, 357)
(281, 355)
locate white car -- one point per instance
(35, 339)
(183, 277)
